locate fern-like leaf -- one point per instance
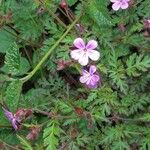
(136, 63)
(13, 94)
(51, 134)
(25, 144)
(97, 11)
(12, 59)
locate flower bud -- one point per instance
(33, 134)
(63, 4)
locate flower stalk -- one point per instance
(30, 75)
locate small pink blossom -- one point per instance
(147, 23)
(83, 52)
(10, 116)
(120, 4)
(18, 117)
(91, 79)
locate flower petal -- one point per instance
(95, 78)
(15, 124)
(93, 54)
(116, 6)
(91, 83)
(79, 43)
(92, 69)
(92, 44)
(124, 5)
(76, 54)
(84, 79)
(84, 72)
(83, 60)
(8, 114)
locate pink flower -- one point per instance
(147, 23)
(84, 52)
(90, 78)
(10, 116)
(18, 117)
(117, 4)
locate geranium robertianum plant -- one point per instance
(74, 74)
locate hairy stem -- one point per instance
(53, 15)
(57, 18)
(26, 78)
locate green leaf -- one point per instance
(6, 39)
(146, 117)
(51, 134)
(117, 73)
(34, 98)
(133, 102)
(4, 78)
(23, 68)
(8, 136)
(120, 145)
(136, 63)
(145, 141)
(71, 2)
(12, 94)
(14, 63)
(64, 107)
(27, 21)
(12, 59)
(97, 11)
(102, 99)
(25, 144)
(115, 137)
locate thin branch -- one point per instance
(54, 16)
(52, 115)
(8, 145)
(26, 78)
(57, 18)
(126, 119)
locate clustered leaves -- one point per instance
(40, 85)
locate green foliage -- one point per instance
(14, 63)
(137, 63)
(6, 39)
(146, 117)
(34, 98)
(12, 59)
(26, 21)
(145, 142)
(132, 103)
(97, 12)
(36, 37)
(8, 136)
(117, 73)
(66, 109)
(25, 144)
(102, 100)
(115, 137)
(12, 94)
(71, 2)
(51, 134)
